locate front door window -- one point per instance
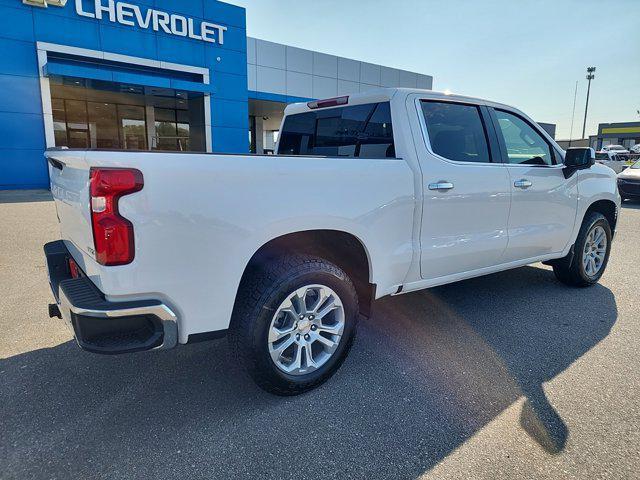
(524, 145)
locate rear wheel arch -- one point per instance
(341, 248)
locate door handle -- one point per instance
(441, 186)
(522, 183)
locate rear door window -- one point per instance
(456, 131)
(357, 131)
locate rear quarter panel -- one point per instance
(200, 218)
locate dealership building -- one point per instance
(153, 75)
(626, 134)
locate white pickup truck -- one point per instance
(370, 195)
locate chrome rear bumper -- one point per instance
(102, 326)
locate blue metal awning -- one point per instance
(111, 72)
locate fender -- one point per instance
(595, 184)
(388, 261)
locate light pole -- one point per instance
(573, 115)
(590, 76)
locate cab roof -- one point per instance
(384, 95)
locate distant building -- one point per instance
(564, 144)
(626, 134)
(153, 75)
(550, 128)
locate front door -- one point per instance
(543, 202)
(466, 191)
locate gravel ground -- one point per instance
(512, 375)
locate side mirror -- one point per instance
(578, 159)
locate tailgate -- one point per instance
(69, 173)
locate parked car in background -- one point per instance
(612, 160)
(373, 194)
(619, 149)
(635, 148)
(629, 182)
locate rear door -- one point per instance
(466, 189)
(543, 202)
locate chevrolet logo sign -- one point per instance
(45, 3)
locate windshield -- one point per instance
(636, 165)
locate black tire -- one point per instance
(570, 270)
(263, 289)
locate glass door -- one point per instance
(172, 129)
(133, 127)
(77, 126)
(103, 125)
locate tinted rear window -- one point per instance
(456, 131)
(357, 131)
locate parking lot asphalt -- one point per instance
(508, 376)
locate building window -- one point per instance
(172, 129)
(112, 116)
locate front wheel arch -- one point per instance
(570, 269)
(608, 209)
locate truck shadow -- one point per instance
(428, 371)
(25, 196)
(631, 204)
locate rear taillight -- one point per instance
(112, 233)
(328, 102)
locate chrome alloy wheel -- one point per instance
(306, 329)
(595, 251)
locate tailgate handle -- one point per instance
(56, 163)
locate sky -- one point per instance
(525, 53)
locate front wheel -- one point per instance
(590, 253)
(294, 322)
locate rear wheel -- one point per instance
(590, 253)
(294, 322)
